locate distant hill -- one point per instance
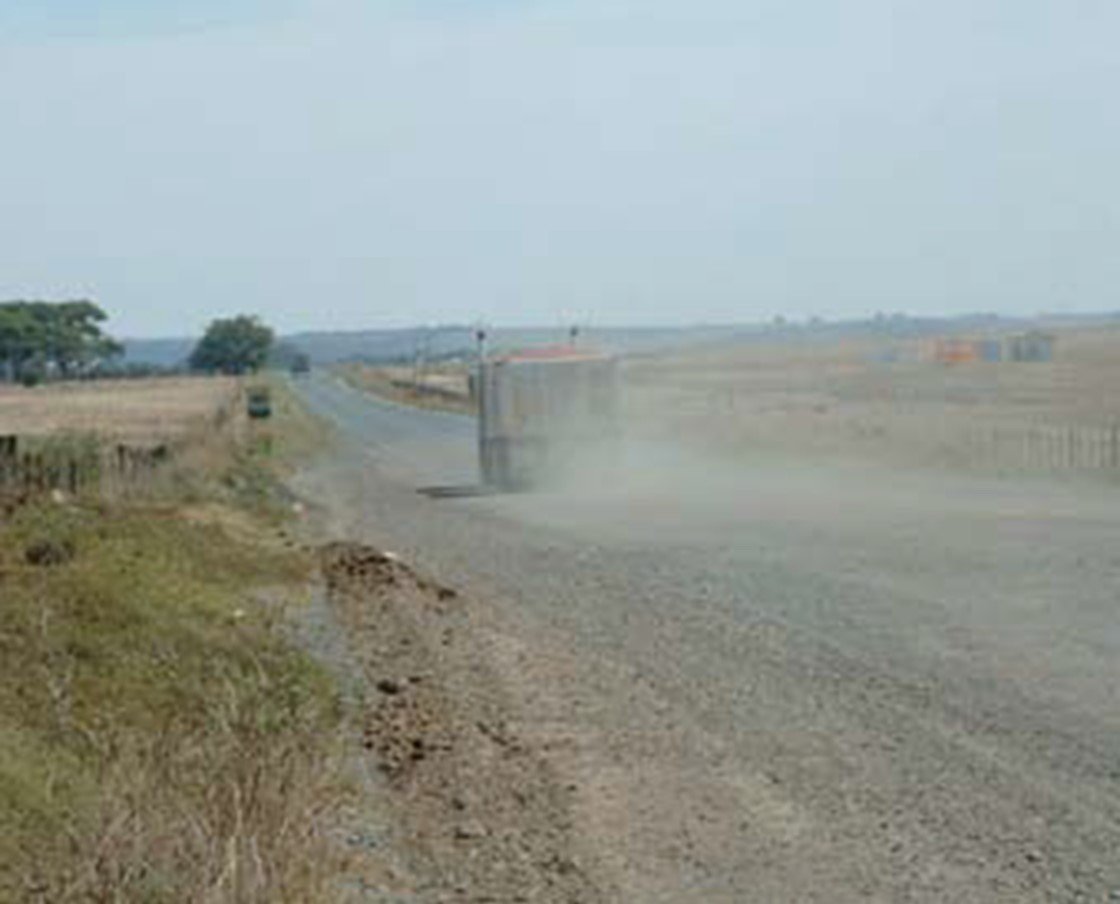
(394, 346)
(401, 345)
(383, 345)
(160, 352)
(323, 348)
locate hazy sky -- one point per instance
(337, 163)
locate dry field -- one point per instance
(133, 410)
(443, 389)
(843, 399)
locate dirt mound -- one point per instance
(354, 566)
(478, 813)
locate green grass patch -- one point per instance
(160, 740)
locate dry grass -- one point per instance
(132, 410)
(443, 389)
(840, 399)
(160, 739)
(202, 423)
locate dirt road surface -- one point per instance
(767, 683)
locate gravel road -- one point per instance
(780, 683)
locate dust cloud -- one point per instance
(658, 475)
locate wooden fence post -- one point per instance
(9, 454)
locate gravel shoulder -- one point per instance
(453, 802)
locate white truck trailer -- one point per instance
(543, 414)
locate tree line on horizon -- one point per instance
(65, 340)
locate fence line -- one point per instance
(1033, 448)
(1026, 446)
(31, 467)
(1047, 447)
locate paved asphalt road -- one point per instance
(793, 684)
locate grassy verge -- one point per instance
(159, 739)
(382, 382)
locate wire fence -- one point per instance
(901, 435)
(75, 465)
(88, 464)
(1046, 448)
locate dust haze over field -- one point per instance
(853, 427)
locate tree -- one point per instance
(17, 337)
(73, 339)
(237, 345)
(65, 339)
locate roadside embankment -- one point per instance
(160, 737)
(457, 805)
(202, 700)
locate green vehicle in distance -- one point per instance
(258, 401)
